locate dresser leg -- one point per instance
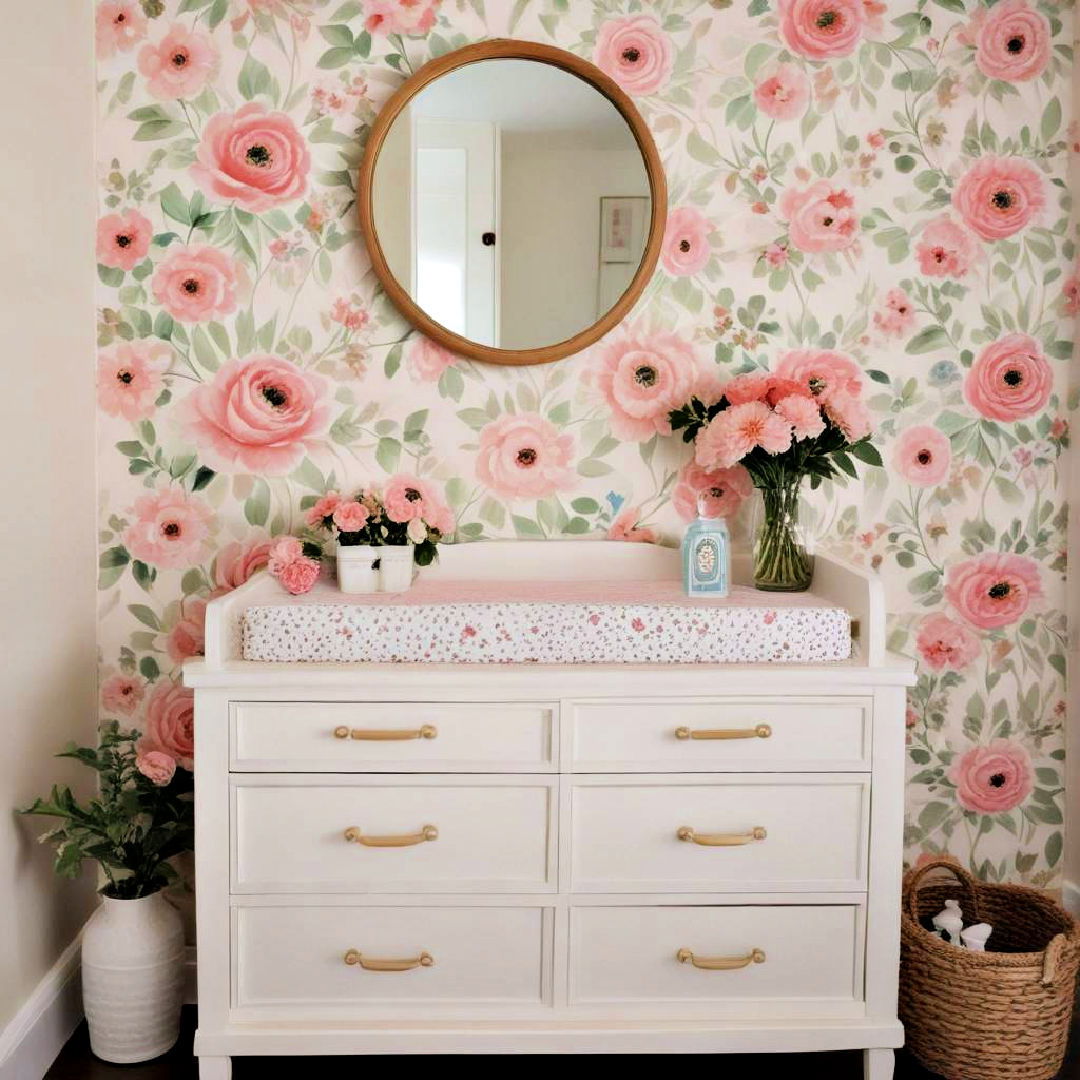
(878, 1064)
(215, 1068)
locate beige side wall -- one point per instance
(47, 618)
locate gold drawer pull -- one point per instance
(720, 963)
(353, 957)
(721, 839)
(428, 731)
(355, 836)
(762, 731)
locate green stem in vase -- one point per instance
(780, 562)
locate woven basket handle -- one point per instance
(1051, 959)
(914, 879)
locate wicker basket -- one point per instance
(1000, 1015)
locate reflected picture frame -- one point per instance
(622, 227)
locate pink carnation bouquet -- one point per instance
(805, 419)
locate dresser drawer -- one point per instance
(746, 734)
(808, 955)
(347, 736)
(719, 834)
(374, 834)
(327, 957)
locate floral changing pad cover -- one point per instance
(510, 622)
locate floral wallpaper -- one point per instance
(882, 181)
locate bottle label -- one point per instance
(706, 561)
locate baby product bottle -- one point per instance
(706, 555)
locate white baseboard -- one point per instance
(37, 1032)
(1070, 898)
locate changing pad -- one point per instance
(506, 622)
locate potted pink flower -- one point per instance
(805, 419)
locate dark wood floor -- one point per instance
(77, 1063)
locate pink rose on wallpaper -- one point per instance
(992, 589)
(946, 249)
(992, 779)
(1070, 292)
(636, 53)
(822, 29)
(123, 239)
(999, 196)
(130, 376)
(820, 218)
(427, 361)
(1011, 39)
(157, 766)
(784, 94)
(685, 249)
(122, 694)
(821, 371)
(236, 562)
(720, 491)
(625, 527)
(187, 637)
(197, 283)
(523, 456)
(414, 17)
(118, 26)
(179, 65)
(733, 433)
(642, 375)
(170, 723)
(945, 643)
(1010, 379)
(170, 529)
(898, 317)
(255, 158)
(260, 414)
(922, 455)
(408, 498)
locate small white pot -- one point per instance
(357, 568)
(396, 568)
(132, 978)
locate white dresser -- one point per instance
(402, 859)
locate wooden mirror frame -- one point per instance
(507, 49)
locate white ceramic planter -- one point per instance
(132, 978)
(396, 568)
(357, 568)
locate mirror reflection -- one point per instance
(512, 203)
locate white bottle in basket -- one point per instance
(974, 937)
(949, 922)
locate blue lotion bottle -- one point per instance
(706, 556)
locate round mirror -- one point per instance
(512, 201)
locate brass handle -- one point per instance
(355, 836)
(762, 731)
(428, 731)
(353, 957)
(721, 839)
(720, 963)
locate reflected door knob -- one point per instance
(488, 239)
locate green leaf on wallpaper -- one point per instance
(255, 79)
(524, 526)
(218, 10)
(110, 275)
(149, 669)
(220, 336)
(309, 474)
(245, 332)
(559, 414)
(452, 384)
(349, 10)
(1051, 119)
(335, 58)
(1057, 662)
(932, 815)
(413, 427)
(388, 454)
(393, 361)
(362, 45)
(164, 325)
(204, 351)
(144, 575)
(927, 340)
(591, 467)
(1052, 851)
(192, 581)
(493, 512)
(338, 35)
(701, 151)
(757, 7)
(576, 526)
(517, 12)
(257, 504)
(438, 45)
(158, 129)
(585, 505)
(113, 557)
(174, 205)
(145, 615)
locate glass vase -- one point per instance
(782, 562)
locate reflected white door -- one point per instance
(456, 204)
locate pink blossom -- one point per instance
(775, 256)
(999, 196)
(642, 375)
(416, 531)
(180, 65)
(408, 497)
(803, 414)
(412, 17)
(427, 361)
(1012, 41)
(525, 457)
(849, 414)
(898, 318)
(197, 283)
(625, 527)
(992, 779)
(324, 508)
(260, 414)
(188, 636)
(876, 139)
(822, 371)
(130, 377)
(352, 318)
(283, 551)
(733, 433)
(170, 723)
(685, 249)
(1010, 380)
(300, 575)
(170, 529)
(822, 29)
(255, 158)
(236, 562)
(946, 249)
(720, 491)
(784, 94)
(753, 386)
(636, 53)
(923, 456)
(992, 589)
(1071, 292)
(122, 694)
(350, 516)
(157, 766)
(118, 26)
(945, 643)
(820, 217)
(123, 239)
